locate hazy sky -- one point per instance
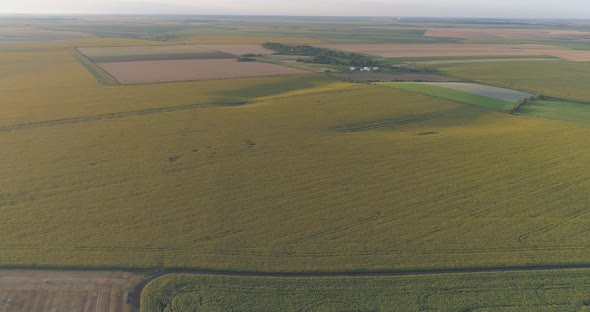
(443, 8)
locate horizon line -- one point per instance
(287, 15)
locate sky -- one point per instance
(430, 8)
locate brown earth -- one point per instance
(442, 50)
(475, 33)
(64, 291)
(187, 70)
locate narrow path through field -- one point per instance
(138, 289)
(73, 120)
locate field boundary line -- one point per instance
(117, 115)
(102, 76)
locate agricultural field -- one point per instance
(30, 290)
(563, 80)
(154, 64)
(467, 94)
(259, 168)
(187, 70)
(28, 34)
(560, 110)
(511, 291)
(453, 50)
(376, 76)
(483, 90)
(494, 33)
(176, 52)
(286, 161)
(151, 53)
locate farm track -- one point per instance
(75, 120)
(374, 125)
(138, 289)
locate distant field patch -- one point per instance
(453, 50)
(492, 33)
(186, 70)
(453, 94)
(14, 35)
(370, 76)
(242, 39)
(151, 53)
(483, 90)
(142, 50)
(560, 110)
(564, 80)
(239, 49)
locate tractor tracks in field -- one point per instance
(135, 295)
(117, 115)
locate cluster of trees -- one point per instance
(321, 55)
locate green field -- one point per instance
(151, 53)
(560, 110)
(565, 80)
(453, 95)
(524, 291)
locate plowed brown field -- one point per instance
(26, 291)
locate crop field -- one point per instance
(175, 52)
(26, 291)
(93, 52)
(491, 33)
(462, 96)
(151, 53)
(239, 49)
(524, 291)
(560, 110)
(186, 70)
(483, 90)
(153, 64)
(261, 168)
(565, 80)
(372, 76)
(449, 50)
(52, 85)
(305, 180)
(15, 35)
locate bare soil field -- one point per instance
(186, 70)
(367, 76)
(475, 33)
(438, 50)
(483, 90)
(63, 291)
